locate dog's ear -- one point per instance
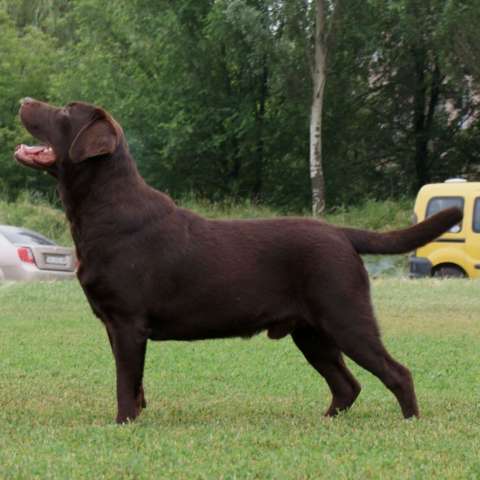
(99, 137)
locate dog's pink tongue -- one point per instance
(35, 155)
(32, 149)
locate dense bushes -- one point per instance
(34, 212)
(214, 96)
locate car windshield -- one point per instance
(24, 237)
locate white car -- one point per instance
(26, 255)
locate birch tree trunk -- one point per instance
(324, 38)
(318, 79)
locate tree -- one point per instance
(322, 44)
(27, 56)
(415, 94)
(464, 40)
(200, 91)
(217, 97)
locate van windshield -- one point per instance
(476, 216)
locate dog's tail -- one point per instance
(403, 241)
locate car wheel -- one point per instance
(449, 271)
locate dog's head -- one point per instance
(68, 135)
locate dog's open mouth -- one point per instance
(35, 156)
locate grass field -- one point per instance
(233, 408)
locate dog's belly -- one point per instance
(202, 327)
(216, 307)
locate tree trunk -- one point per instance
(425, 103)
(318, 80)
(259, 121)
(421, 138)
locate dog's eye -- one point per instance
(63, 120)
(64, 116)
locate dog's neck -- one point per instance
(110, 183)
(86, 184)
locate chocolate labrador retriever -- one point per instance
(152, 270)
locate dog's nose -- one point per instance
(25, 100)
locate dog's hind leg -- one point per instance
(322, 353)
(129, 348)
(353, 327)
(373, 356)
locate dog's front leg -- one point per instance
(129, 347)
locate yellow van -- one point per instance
(457, 252)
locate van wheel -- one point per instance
(449, 271)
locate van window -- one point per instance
(476, 216)
(436, 204)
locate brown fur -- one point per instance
(151, 270)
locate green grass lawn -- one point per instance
(234, 408)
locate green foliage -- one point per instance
(214, 96)
(389, 97)
(35, 212)
(374, 215)
(233, 408)
(26, 56)
(466, 49)
(227, 209)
